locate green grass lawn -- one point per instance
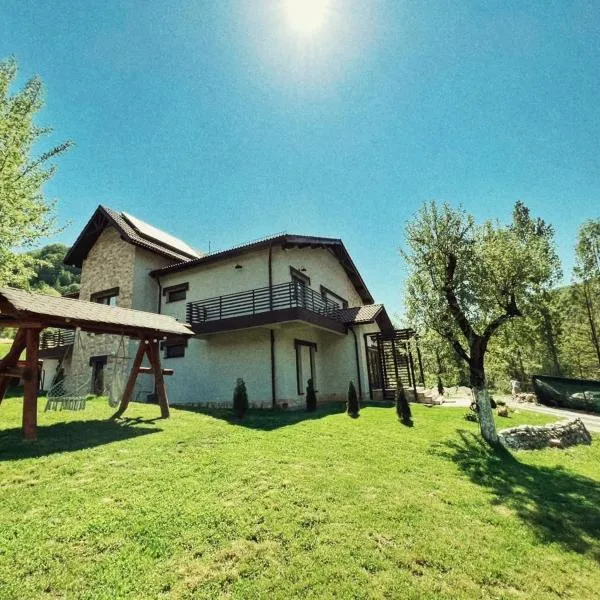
(283, 506)
(4, 348)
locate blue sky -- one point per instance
(220, 122)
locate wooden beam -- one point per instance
(32, 339)
(15, 372)
(11, 359)
(135, 369)
(161, 391)
(18, 324)
(150, 371)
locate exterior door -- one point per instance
(98, 366)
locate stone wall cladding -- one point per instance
(557, 435)
(109, 264)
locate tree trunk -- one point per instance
(589, 308)
(482, 397)
(551, 341)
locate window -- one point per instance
(108, 297)
(305, 365)
(174, 348)
(330, 296)
(175, 293)
(300, 283)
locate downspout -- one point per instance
(357, 362)
(272, 333)
(159, 294)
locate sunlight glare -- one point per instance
(306, 16)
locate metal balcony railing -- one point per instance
(260, 300)
(55, 338)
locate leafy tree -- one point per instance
(51, 272)
(467, 280)
(240, 398)
(353, 405)
(25, 214)
(587, 274)
(311, 397)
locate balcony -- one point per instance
(289, 301)
(53, 342)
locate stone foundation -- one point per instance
(558, 435)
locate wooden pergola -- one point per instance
(30, 313)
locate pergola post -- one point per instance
(149, 348)
(159, 381)
(135, 369)
(31, 381)
(10, 360)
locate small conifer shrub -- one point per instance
(240, 398)
(402, 405)
(440, 386)
(311, 398)
(353, 404)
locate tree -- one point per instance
(353, 405)
(240, 398)
(25, 213)
(467, 280)
(51, 272)
(587, 274)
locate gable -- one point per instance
(131, 230)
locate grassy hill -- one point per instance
(285, 505)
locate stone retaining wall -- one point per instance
(558, 435)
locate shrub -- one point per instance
(472, 416)
(502, 411)
(240, 398)
(353, 404)
(440, 386)
(311, 398)
(402, 405)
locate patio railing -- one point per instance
(261, 300)
(55, 338)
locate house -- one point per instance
(275, 312)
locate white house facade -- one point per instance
(276, 313)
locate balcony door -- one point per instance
(300, 285)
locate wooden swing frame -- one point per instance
(148, 328)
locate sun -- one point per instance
(306, 16)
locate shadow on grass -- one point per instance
(69, 437)
(266, 419)
(560, 506)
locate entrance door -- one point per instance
(98, 364)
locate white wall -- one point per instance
(217, 279)
(49, 367)
(322, 267)
(211, 366)
(145, 288)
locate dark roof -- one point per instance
(372, 313)
(132, 230)
(287, 241)
(53, 311)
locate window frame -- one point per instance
(299, 276)
(175, 289)
(298, 345)
(98, 297)
(325, 292)
(168, 345)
